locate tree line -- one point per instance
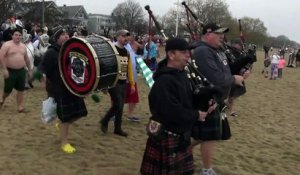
(132, 16)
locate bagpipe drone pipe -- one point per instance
(203, 90)
(240, 60)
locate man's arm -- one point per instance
(3, 52)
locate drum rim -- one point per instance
(97, 67)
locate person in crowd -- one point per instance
(30, 54)
(150, 53)
(292, 56)
(69, 107)
(19, 23)
(117, 93)
(14, 59)
(132, 99)
(281, 65)
(168, 149)
(274, 66)
(212, 63)
(40, 47)
(298, 58)
(241, 58)
(266, 49)
(267, 63)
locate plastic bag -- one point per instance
(49, 110)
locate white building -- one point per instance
(101, 24)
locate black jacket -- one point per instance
(49, 66)
(170, 100)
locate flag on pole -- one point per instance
(147, 73)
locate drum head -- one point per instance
(79, 66)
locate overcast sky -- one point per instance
(281, 17)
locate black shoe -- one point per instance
(30, 85)
(120, 133)
(103, 127)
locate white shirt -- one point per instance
(275, 59)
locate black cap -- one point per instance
(176, 44)
(213, 27)
(236, 41)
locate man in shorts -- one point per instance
(13, 58)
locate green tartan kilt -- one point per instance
(215, 127)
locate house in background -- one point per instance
(101, 24)
(52, 14)
(74, 15)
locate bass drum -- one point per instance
(88, 64)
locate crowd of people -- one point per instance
(176, 124)
(275, 63)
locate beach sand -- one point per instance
(265, 135)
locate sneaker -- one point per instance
(120, 133)
(133, 119)
(30, 85)
(233, 114)
(209, 171)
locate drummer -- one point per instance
(69, 107)
(117, 93)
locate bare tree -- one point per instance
(205, 10)
(129, 15)
(210, 11)
(8, 8)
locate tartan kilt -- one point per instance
(70, 108)
(163, 157)
(213, 128)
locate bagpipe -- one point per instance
(189, 24)
(240, 60)
(203, 90)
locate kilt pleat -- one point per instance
(214, 127)
(165, 157)
(71, 108)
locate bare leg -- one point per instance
(64, 132)
(230, 105)
(207, 149)
(4, 96)
(131, 107)
(20, 100)
(195, 142)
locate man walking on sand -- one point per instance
(13, 59)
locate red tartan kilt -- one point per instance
(162, 157)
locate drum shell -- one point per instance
(88, 64)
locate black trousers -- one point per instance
(117, 95)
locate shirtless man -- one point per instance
(13, 58)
